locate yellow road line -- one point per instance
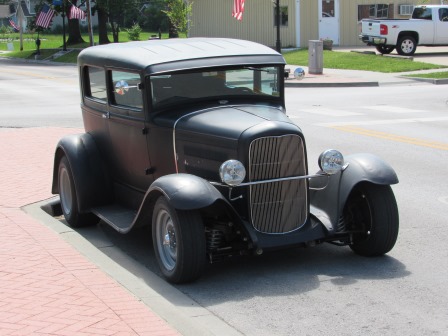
(393, 137)
(36, 75)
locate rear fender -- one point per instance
(328, 203)
(92, 182)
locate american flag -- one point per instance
(45, 16)
(76, 13)
(238, 9)
(13, 25)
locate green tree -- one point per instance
(153, 18)
(118, 13)
(179, 12)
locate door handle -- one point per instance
(106, 115)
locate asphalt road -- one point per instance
(325, 290)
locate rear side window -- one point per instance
(126, 89)
(423, 13)
(96, 84)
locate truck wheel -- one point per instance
(384, 49)
(69, 202)
(372, 211)
(179, 242)
(406, 46)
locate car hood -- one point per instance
(207, 138)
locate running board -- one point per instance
(118, 217)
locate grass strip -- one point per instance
(359, 61)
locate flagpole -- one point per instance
(20, 25)
(64, 46)
(89, 22)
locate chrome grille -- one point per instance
(277, 207)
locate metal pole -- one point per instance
(89, 22)
(278, 43)
(20, 21)
(64, 46)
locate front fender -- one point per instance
(328, 203)
(92, 183)
(186, 192)
(365, 168)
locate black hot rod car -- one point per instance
(190, 137)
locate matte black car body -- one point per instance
(151, 159)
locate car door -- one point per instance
(128, 131)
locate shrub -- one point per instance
(134, 32)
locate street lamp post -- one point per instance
(278, 43)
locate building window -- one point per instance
(380, 11)
(283, 16)
(377, 11)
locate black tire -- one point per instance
(68, 197)
(406, 46)
(384, 49)
(179, 242)
(372, 209)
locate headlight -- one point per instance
(331, 161)
(232, 172)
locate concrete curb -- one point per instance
(428, 80)
(334, 84)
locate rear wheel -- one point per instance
(384, 49)
(68, 196)
(372, 211)
(179, 242)
(406, 46)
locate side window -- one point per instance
(423, 13)
(443, 14)
(126, 91)
(96, 84)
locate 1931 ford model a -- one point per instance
(190, 137)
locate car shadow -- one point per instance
(277, 273)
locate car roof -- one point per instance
(158, 56)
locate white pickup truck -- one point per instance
(427, 27)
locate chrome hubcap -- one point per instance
(65, 191)
(166, 239)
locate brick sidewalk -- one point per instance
(46, 286)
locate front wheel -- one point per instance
(371, 210)
(383, 49)
(68, 196)
(406, 46)
(179, 242)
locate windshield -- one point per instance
(248, 82)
